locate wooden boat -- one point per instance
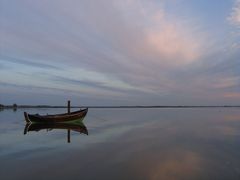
(57, 118)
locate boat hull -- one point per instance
(58, 118)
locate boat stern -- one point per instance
(26, 117)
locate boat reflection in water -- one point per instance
(76, 126)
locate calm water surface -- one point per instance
(141, 144)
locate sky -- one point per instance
(128, 52)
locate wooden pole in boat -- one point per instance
(69, 106)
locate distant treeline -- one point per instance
(15, 106)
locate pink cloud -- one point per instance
(169, 43)
(167, 39)
(235, 14)
(232, 95)
(225, 82)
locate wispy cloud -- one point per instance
(28, 63)
(235, 14)
(107, 37)
(232, 95)
(97, 85)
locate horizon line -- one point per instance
(121, 106)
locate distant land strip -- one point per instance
(99, 107)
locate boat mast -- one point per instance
(69, 106)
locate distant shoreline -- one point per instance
(114, 107)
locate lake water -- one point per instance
(141, 144)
